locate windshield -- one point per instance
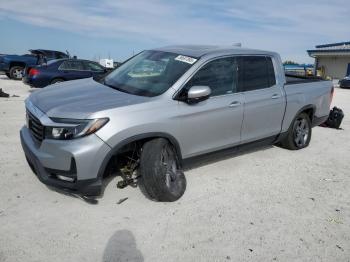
(149, 73)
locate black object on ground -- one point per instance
(122, 200)
(342, 249)
(126, 182)
(3, 94)
(335, 118)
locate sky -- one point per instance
(117, 29)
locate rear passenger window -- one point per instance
(256, 72)
(72, 65)
(219, 75)
(271, 71)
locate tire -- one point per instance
(299, 133)
(161, 179)
(16, 72)
(56, 80)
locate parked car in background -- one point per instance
(163, 106)
(62, 70)
(345, 82)
(13, 65)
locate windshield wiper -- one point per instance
(115, 87)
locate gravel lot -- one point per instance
(269, 204)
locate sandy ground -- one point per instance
(269, 204)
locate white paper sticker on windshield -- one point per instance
(186, 59)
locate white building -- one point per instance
(332, 60)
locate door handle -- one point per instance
(275, 96)
(235, 103)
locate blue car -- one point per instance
(62, 70)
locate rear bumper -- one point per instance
(52, 161)
(316, 121)
(33, 82)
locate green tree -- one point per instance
(290, 62)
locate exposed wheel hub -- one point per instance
(18, 73)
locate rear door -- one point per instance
(74, 69)
(216, 122)
(264, 100)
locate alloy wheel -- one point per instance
(301, 132)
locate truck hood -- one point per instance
(80, 99)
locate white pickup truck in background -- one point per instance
(107, 63)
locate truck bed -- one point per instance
(293, 79)
(304, 91)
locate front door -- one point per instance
(216, 122)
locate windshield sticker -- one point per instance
(186, 59)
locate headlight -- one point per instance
(71, 128)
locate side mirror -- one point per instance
(197, 94)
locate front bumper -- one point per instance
(77, 160)
(4, 67)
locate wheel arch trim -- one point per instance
(304, 108)
(135, 138)
(15, 63)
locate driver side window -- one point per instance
(219, 75)
(91, 66)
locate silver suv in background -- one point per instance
(163, 106)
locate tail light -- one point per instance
(33, 72)
(332, 94)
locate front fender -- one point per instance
(116, 148)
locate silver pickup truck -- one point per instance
(163, 106)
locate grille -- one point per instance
(35, 127)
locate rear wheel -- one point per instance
(299, 134)
(161, 177)
(57, 80)
(16, 72)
